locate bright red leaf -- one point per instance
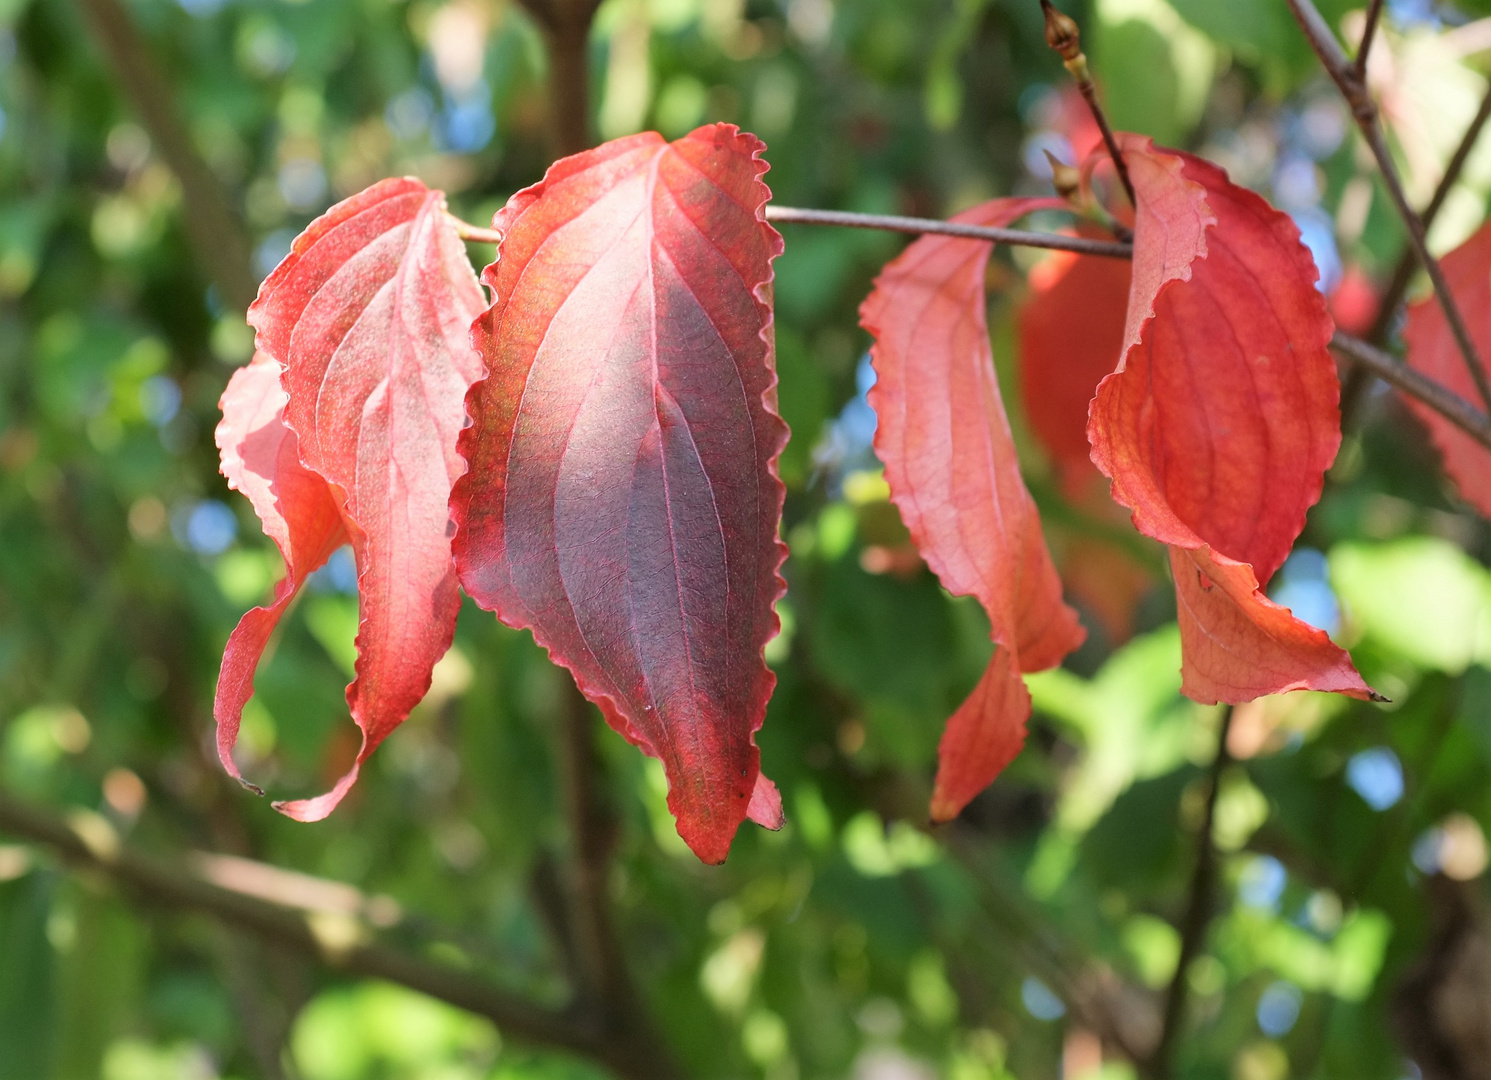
(623, 500)
(1071, 335)
(950, 462)
(1432, 351)
(368, 316)
(260, 459)
(1219, 423)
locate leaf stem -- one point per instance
(475, 233)
(1437, 396)
(1199, 910)
(1354, 89)
(894, 223)
(1063, 35)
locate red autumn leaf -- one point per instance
(950, 462)
(1432, 351)
(1353, 305)
(260, 459)
(1219, 423)
(368, 316)
(1071, 335)
(623, 500)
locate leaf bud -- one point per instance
(1066, 178)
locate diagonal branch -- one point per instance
(89, 843)
(216, 235)
(1198, 913)
(1397, 286)
(1442, 400)
(1369, 31)
(1354, 89)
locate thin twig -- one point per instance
(1063, 35)
(1436, 395)
(475, 233)
(1354, 90)
(212, 227)
(1369, 31)
(1359, 382)
(1199, 909)
(894, 223)
(1445, 402)
(1397, 286)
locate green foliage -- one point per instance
(852, 937)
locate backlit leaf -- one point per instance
(368, 316)
(950, 461)
(297, 510)
(623, 500)
(1221, 419)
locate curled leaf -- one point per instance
(950, 461)
(295, 506)
(368, 316)
(1221, 419)
(1433, 352)
(623, 500)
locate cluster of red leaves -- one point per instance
(593, 456)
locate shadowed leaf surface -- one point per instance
(623, 500)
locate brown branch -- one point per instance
(1354, 89)
(1198, 913)
(340, 940)
(1369, 31)
(1397, 286)
(212, 227)
(894, 223)
(1442, 400)
(605, 985)
(566, 28)
(1063, 35)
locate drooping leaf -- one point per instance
(1219, 423)
(1071, 335)
(260, 459)
(950, 461)
(1433, 352)
(368, 316)
(623, 499)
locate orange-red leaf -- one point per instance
(1219, 423)
(1433, 352)
(368, 316)
(259, 458)
(950, 462)
(1071, 335)
(623, 500)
